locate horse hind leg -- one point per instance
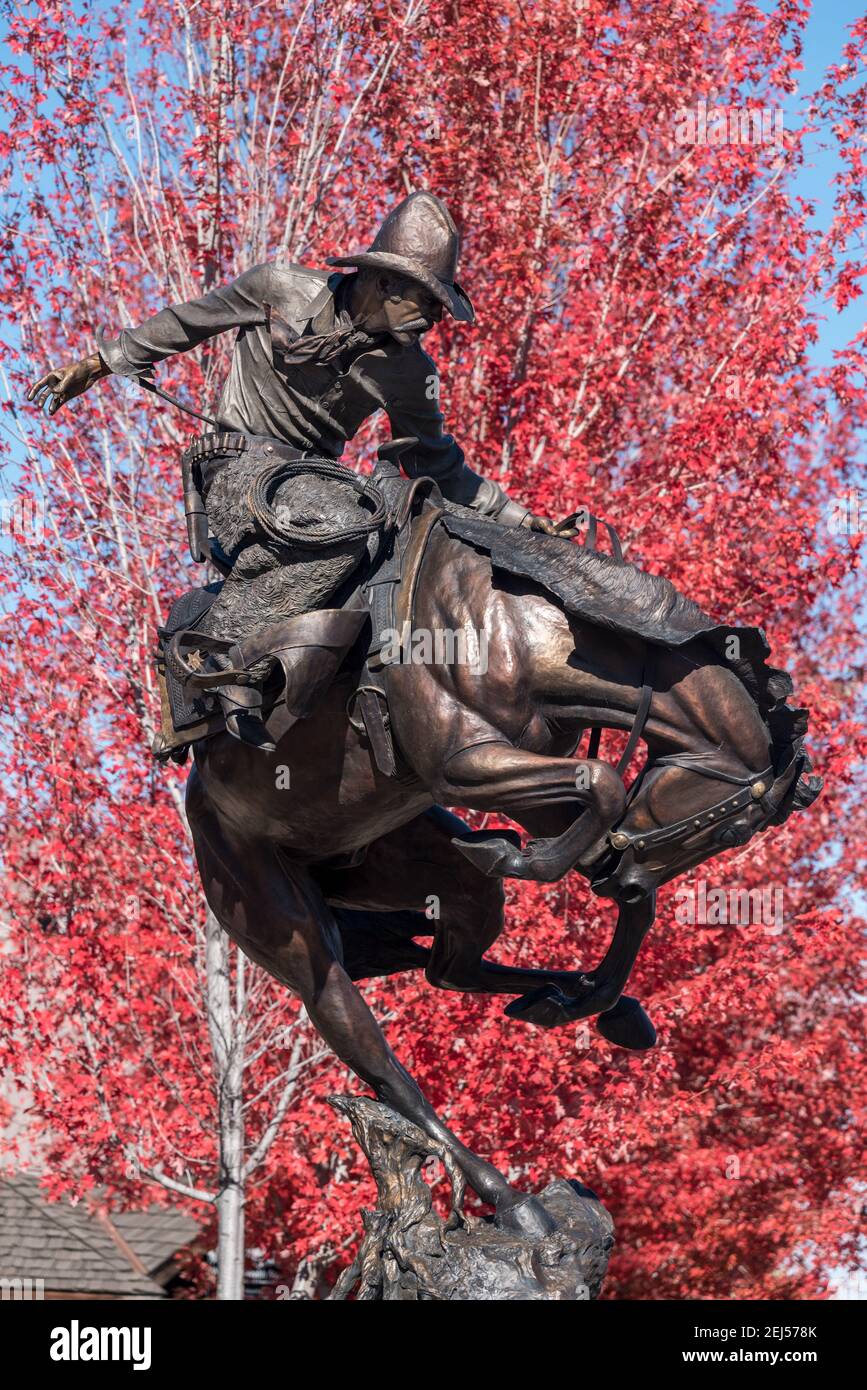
(414, 882)
(275, 911)
(377, 944)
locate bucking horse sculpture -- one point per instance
(321, 842)
(329, 728)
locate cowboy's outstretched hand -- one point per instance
(63, 384)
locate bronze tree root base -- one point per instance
(409, 1253)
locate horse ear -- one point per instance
(801, 794)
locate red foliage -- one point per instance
(643, 345)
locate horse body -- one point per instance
(322, 868)
(319, 796)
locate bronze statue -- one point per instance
(316, 799)
(327, 881)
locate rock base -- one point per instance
(410, 1253)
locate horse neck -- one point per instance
(699, 708)
(588, 676)
(721, 719)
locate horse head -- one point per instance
(683, 810)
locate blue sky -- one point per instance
(823, 44)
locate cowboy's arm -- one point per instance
(437, 454)
(174, 329)
(183, 326)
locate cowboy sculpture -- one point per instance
(317, 354)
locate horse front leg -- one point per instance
(531, 788)
(499, 777)
(621, 1018)
(414, 871)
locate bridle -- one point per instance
(754, 788)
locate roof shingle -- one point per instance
(69, 1249)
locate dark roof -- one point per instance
(156, 1234)
(74, 1250)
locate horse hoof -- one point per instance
(547, 1007)
(494, 855)
(627, 1025)
(527, 1218)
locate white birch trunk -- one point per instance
(227, 1040)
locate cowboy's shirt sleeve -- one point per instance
(183, 326)
(415, 411)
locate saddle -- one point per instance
(210, 684)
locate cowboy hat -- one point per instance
(419, 239)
